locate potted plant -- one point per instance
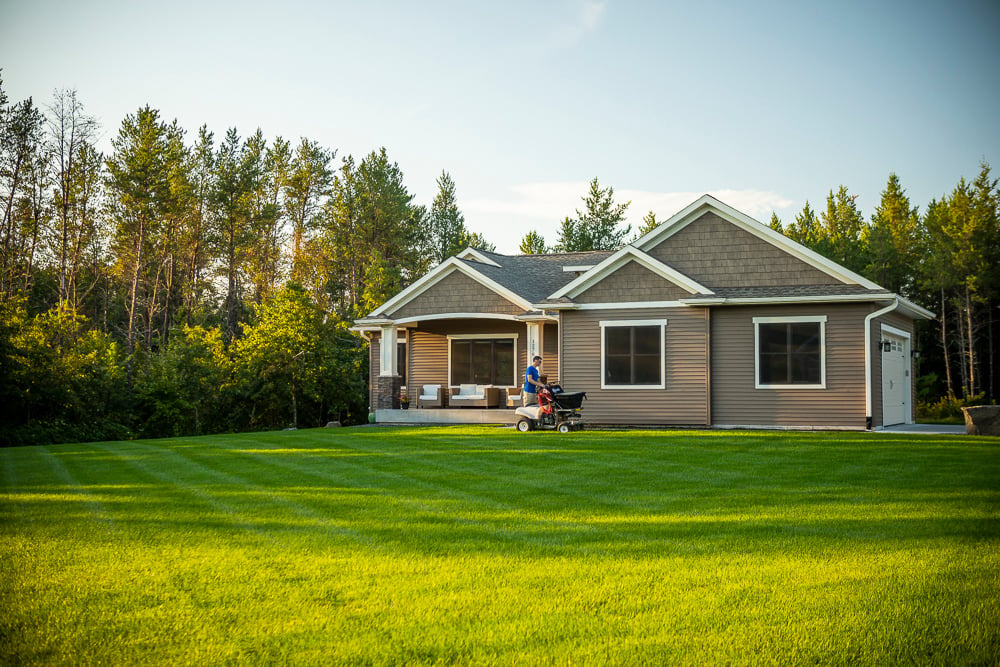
(404, 400)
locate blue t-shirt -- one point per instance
(531, 372)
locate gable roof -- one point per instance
(707, 203)
(619, 259)
(551, 281)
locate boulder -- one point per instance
(333, 424)
(982, 420)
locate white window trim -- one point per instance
(484, 336)
(819, 319)
(662, 323)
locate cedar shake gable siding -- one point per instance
(632, 282)
(717, 253)
(456, 293)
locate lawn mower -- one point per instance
(556, 410)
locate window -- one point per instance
(790, 352)
(632, 354)
(482, 361)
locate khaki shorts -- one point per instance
(529, 398)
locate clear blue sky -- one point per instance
(764, 105)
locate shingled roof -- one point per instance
(534, 277)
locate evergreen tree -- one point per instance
(892, 240)
(446, 224)
(533, 244)
(597, 227)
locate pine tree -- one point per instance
(533, 244)
(597, 227)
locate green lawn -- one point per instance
(479, 545)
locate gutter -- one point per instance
(868, 358)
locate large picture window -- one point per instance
(790, 352)
(482, 361)
(632, 354)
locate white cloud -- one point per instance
(542, 206)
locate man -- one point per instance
(531, 382)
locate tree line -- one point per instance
(183, 285)
(191, 284)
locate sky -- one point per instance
(764, 105)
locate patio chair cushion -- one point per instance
(470, 392)
(430, 391)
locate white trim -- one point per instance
(816, 298)
(579, 268)
(819, 319)
(625, 305)
(476, 256)
(907, 339)
(620, 259)
(438, 273)
(483, 336)
(662, 323)
(458, 316)
(706, 203)
(387, 352)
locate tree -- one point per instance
(23, 181)
(76, 168)
(805, 228)
(291, 366)
(649, 223)
(597, 227)
(533, 244)
(892, 240)
(138, 184)
(446, 224)
(775, 223)
(305, 191)
(841, 227)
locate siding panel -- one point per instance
(685, 399)
(717, 253)
(456, 293)
(735, 401)
(632, 282)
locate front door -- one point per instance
(895, 394)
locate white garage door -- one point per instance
(895, 388)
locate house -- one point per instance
(710, 320)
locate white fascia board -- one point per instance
(441, 271)
(782, 300)
(619, 259)
(476, 256)
(914, 310)
(705, 203)
(456, 316)
(579, 268)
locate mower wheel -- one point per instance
(564, 428)
(523, 425)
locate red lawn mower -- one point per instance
(556, 410)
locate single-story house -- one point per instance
(710, 320)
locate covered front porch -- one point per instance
(453, 356)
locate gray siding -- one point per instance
(717, 253)
(632, 282)
(456, 293)
(735, 401)
(684, 401)
(550, 352)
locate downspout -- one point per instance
(868, 358)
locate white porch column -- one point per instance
(534, 342)
(388, 357)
